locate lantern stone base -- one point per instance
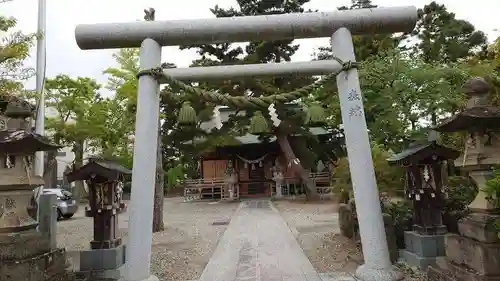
(26, 256)
(102, 259)
(422, 250)
(471, 256)
(101, 264)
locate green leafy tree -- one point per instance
(390, 178)
(123, 82)
(69, 102)
(444, 38)
(14, 49)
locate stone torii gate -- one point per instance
(150, 36)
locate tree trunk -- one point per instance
(159, 189)
(79, 191)
(311, 192)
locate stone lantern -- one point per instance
(424, 187)
(231, 181)
(475, 253)
(278, 179)
(25, 253)
(103, 179)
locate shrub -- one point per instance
(401, 213)
(390, 178)
(492, 191)
(461, 191)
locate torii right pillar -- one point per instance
(377, 266)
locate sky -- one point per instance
(64, 56)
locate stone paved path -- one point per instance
(258, 246)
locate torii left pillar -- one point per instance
(140, 235)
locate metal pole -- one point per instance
(378, 266)
(40, 84)
(194, 74)
(140, 232)
(244, 29)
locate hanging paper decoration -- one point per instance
(216, 118)
(252, 162)
(274, 115)
(260, 164)
(426, 174)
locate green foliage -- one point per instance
(390, 178)
(492, 189)
(175, 175)
(443, 38)
(14, 49)
(461, 192)
(401, 213)
(72, 99)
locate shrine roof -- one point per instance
(21, 141)
(422, 151)
(103, 169)
(254, 139)
(472, 119)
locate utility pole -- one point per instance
(40, 84)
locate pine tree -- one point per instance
(262, 52)
(364, 45)
(445, 39)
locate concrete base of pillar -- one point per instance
(365, 273)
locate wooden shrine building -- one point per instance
(252, 168)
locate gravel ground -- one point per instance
(180, 252)
(315, 226)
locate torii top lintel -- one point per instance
(244, 29)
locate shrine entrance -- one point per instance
(257, 186)
(150, 36)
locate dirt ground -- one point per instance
(181, 252)
(315, 226)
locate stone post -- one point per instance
(231, 182)
(48, 218)
(278, 179)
